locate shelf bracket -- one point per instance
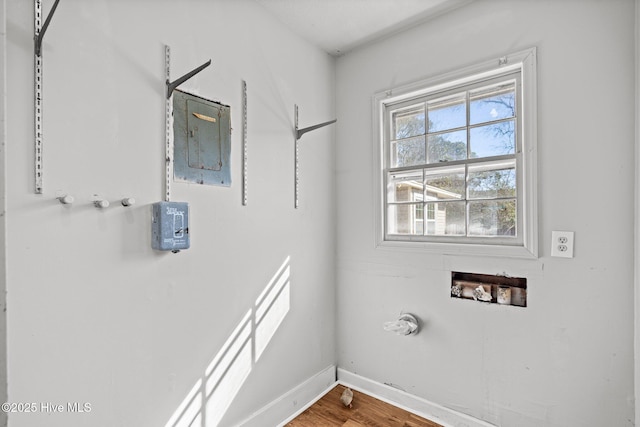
(168, 123)
(39, 34)
(171, 86)
(300, 132)
(298, 135)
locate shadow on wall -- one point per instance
(209, 399)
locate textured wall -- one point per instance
(3, 269)
(96, 316)
(566, 359)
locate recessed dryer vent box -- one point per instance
(497, 289)
(170, 226)
(202, 140)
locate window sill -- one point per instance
(459, 249)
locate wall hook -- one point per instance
(171, 86)
(40, 34)
(128, 201)
(66, 199)
(101, 203)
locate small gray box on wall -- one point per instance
(202, 140)
(170, 226)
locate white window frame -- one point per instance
(526, 245)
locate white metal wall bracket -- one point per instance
(39, 31)
(300, 132)
(296, 179)
(167, 128)
(298, 135)
(170, 87)
(245, 153)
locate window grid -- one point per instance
(410, 106)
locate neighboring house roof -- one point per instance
(443, 194)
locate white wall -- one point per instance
(637, 218)
(3, 266)
(94, 314)
(566, 359)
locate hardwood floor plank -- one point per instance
(366, 411)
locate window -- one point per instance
(460, 148)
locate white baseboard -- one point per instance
(296, 400)
(422, 407)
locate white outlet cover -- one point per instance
(562, 244)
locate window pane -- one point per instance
(493, 103)
(445, 183)
(407, 152)
(451, 170)
(408, 122)
(492, 218)
(492, 180)
(493, 140)
(448, 219)
(447, 147)
(405, 219)
(447, 113)
(405, 186)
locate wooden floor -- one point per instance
(367, 411)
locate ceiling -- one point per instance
(338, 26)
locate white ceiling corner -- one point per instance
(337, 26)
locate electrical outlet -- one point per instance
(562, 244)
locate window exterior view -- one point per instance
(452, 162)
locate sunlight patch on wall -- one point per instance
(271, 308)
(226, 375)
(211, 396)
(188, 413)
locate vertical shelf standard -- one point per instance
(168, 128)
(39, 31)
(245, 153)
(170, 87)
(298, 135)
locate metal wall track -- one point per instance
(245, 154)
(38, 99)
(168, 129)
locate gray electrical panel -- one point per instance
(202, 140)
(170, 226)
